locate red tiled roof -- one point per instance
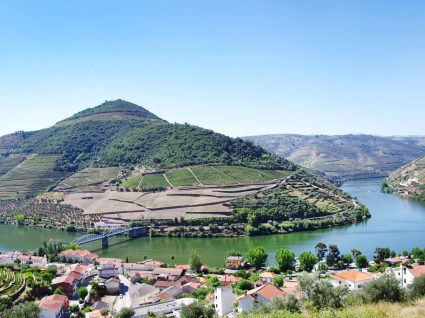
(54, 303)
(354, 276)
(417, 270)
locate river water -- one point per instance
(396, 223)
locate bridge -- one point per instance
(132, 233)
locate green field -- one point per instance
(132, 182)
(10, 282)
(207, 175)
(87, 180)
(181, 177)
(9, 162)
(33, 175)
(153, 181)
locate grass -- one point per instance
(88, 180)
(153, 181)
(210, 176)
(381, 310)
(33, 175)
(132, 182)
(181, 177)
(10, 282)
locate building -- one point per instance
(79, 256)
(223, 300)
(108, 270)
(406, 275)
(107, 224)
(162, 309)
(259, 296)
(352, 279)
(96, 314)
(141, 294)
(23, 258)
(267, 277)
(234, 262)
(112, 285)
(69, 282)
(54, 306)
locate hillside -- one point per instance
(345, 156)
(408, 180)
(118, 160)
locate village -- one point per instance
(82, 284)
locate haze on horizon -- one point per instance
(237, 67)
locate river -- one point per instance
(396, 223)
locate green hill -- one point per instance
(345, 156)
(408, 180)
(117, 149)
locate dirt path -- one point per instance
(194, 175)
(168, 181)
(140, 183)
(214, 168)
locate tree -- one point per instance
(234, 253)
(82, 292)
(321, 250)
(347, 259)
(59, 291)
(197, 310)
(361, 261)
(289, 303)
(244, 284)
(72, 246)
(213, 282)
(385, 288)
(381, 253)
(307, 261)
(104, 312)
(333, 255)
(125, 313)
(285, 259)
(194, 261)
(24, 310)
(320, 293)
(417, 289)
(355, 252)
(257, 257)
(20, 218)
(278, 281)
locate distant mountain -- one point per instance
(345, 156)
(408, 180)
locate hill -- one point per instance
(408, 180)
(118, 160)
(345, 156)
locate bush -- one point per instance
(385, 288)
(417, 289)
(289, 303)
(197, 310)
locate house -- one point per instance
(169, 273)
(223, 300)
(112, 285)
(141, 294)
(170, 293)
(23, 258)
(259, 296)
(54, 306)
(80, 256)
(393, 261)
(163, 309)
(234, 262)
(69, 282)
(109, 224)
(108, 270)
(352, 279)
(96, 314)
(189, 288)
(267, 277)
(164, 281)
(406, 275)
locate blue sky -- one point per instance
(239, 67)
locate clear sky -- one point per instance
(240, 67)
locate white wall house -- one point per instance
(352, 279)
(407, 275)
(223, 300)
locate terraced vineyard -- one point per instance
(35, 174)
(11, 283)
(88, 180)
(203, 175)
(9, 162)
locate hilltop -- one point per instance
(408, 180)
(119, 160)
(345, 156)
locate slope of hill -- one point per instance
(408, 180)
(345, 156)
(121, 161)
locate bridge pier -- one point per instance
(105, 242)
